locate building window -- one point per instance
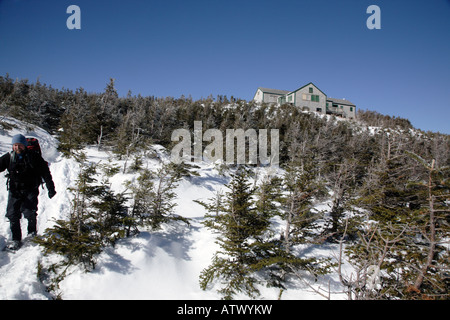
(310, 90)
(351, 109)
(315, 98)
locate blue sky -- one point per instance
(202, 47)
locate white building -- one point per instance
(308, 98)
(269, 95)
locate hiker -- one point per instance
(26, 170)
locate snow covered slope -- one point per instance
(152, 265)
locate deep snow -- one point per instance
(152, 265)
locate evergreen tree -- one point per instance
(301, 187)
(251, 251)
(237, 226)
(343, 183)
(97, 219)
(274, 262)
(153, 197)
(74, 132)
(141, 196)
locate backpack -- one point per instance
(33, 145)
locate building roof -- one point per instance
(275, 91)
(340, 101)
(306, 86)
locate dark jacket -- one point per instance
(26, 171)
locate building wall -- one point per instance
(351, 112)
(310, 101)
(258, 96)
(271, 97)
(266, 97)
(340, 109)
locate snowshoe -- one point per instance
(13, 246)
